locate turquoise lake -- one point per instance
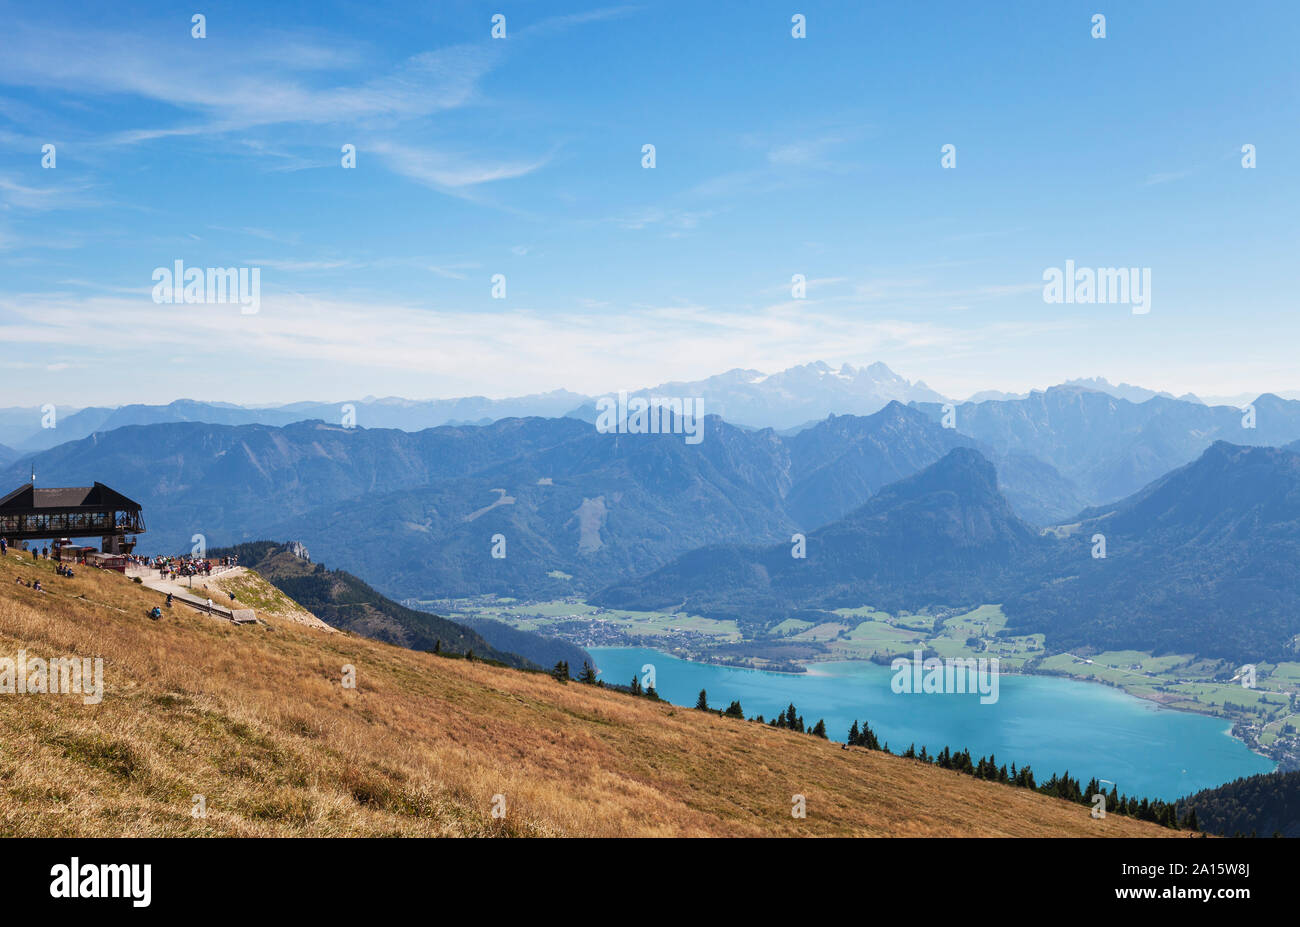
(1051, 724)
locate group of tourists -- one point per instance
(180, 567)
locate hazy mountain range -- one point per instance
(1098, 384)
(790, 399)
(1108, 447)
(745, 397)
(22, 428)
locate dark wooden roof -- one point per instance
(97, 497)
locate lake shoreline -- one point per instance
(1046, 720)
(1144, 696)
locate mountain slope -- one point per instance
(942, 536)
(1201, 560)
(343, 601)
(540, 649)
(594, 506)
(232, 483)
(838, 464)
(1263, 805)
(420, 746)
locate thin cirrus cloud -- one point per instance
(239, 87)
(300, 266)
(251, 88)
(444, 171)
(43, 199)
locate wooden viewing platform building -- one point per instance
(31, 514)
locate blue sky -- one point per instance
(522, 156)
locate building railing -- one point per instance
(32, 525)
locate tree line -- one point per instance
(588, 677)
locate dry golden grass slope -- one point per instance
(256, 720)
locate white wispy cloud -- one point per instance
(667, 217)
(516, 349)
(44, 198)
(236, 86)
(1167, 177)
(290, 266)
(442, 170)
